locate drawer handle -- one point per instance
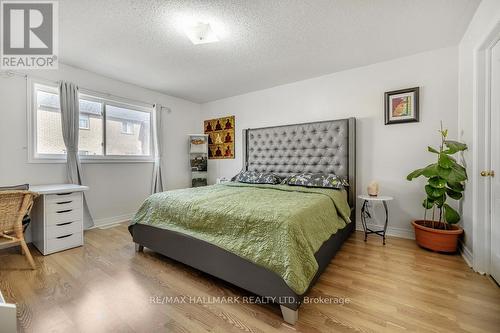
(64, 211)
(61, 224)
(61, 237)
(64, 193)
(64, 202)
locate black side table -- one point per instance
(366, 214)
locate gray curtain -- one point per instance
(157, 184)
(70, 118)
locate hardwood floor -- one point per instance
(106, 287)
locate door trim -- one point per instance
(481, 148)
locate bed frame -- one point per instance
(325, 146)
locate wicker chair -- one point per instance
(14, 205)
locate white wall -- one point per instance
(384, 153)
(486, 16)
(116, 189)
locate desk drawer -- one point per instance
(64, 204)
(62, 197)
(63, 229)
(64, 242)
(64, 215)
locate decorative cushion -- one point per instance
(254, 177)
(316, 180)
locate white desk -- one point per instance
(57, 217)
(57, 188)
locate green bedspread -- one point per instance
(279, 227)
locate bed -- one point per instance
(327, 147)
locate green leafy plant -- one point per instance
(445, 180)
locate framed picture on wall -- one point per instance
(401, 106)
(220, 133)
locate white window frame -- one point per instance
(87, 120)
(34, 157)
(128, 124)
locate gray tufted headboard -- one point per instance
(324, 146)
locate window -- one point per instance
(90, 142)
(132, 139)
(49, 140)
(109, 129)
(127, 127)
(84, 121)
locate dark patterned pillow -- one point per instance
(254, 177)
(316, 180)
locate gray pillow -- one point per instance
(254, 177)
(22, 187)
(325, 180)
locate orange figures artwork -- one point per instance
(220, 137)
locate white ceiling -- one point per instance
(264, 43)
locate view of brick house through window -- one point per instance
(127, 131)
(84, 121)
(127, 127)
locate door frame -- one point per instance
(481, 189)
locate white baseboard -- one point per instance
(466, 254)
(109, 221)
(407, 233)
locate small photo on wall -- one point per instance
(401, 106)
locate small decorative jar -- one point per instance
(373, 188)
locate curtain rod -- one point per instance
(9, 74)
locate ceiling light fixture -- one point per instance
(200, 33)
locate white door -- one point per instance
(495, 162)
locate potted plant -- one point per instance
(438, 231)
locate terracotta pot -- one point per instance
(437, 239)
